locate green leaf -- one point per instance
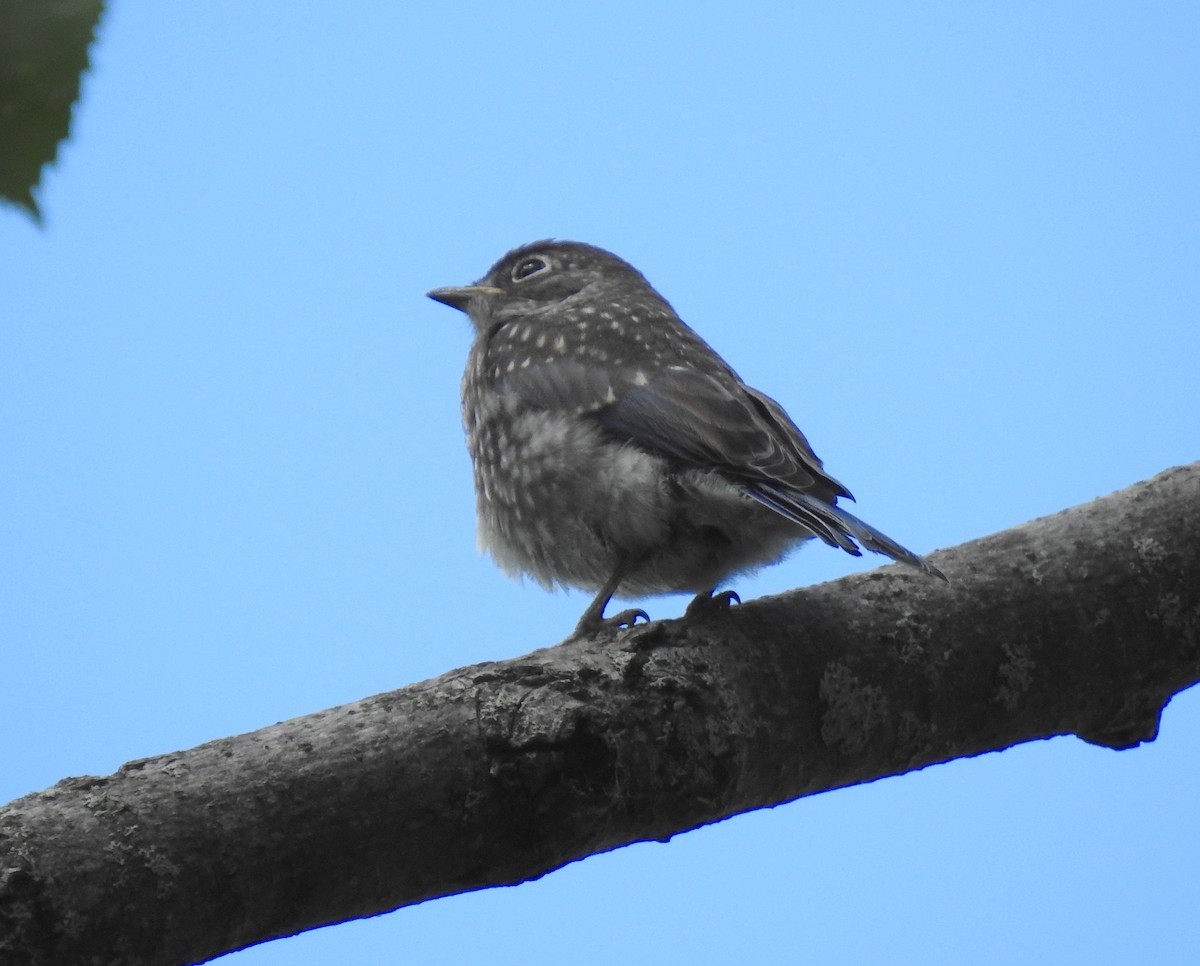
(43, 54)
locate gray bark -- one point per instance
(1082, 623)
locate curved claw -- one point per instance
(627, 618)
(591, 623)
(703, 603)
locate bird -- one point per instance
(613, 449)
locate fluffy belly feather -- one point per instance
(561, 502)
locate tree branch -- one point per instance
(1085, 622)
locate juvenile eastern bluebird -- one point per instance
(615, 451)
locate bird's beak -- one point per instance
(459, 296)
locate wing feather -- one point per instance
(713, 421)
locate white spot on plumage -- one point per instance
(564, 502)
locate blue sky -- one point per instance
(957, 241)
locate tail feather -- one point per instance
(811, 514)
(837, 527)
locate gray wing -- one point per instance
(712, 422)
(685, 415)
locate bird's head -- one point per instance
(540, 276)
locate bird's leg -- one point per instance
(593, 618)
(706, 601)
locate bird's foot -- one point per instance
(591, 623)
(706, 603)
(627, 617)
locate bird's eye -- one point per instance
(528, 267)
